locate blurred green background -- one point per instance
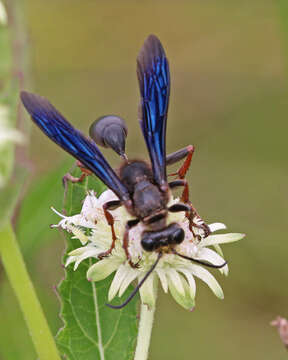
(228, 98)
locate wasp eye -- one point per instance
(110, 131)
(177, 236)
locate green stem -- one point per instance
(19, 278)
(144, 332)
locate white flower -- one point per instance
(3, 14)
(176, 274)
(7, 135)
(282, 325)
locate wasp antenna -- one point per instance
(134, 292)
(199, 261)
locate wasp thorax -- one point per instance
(110, 131)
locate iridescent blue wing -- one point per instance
(54, 125)
(154, 82)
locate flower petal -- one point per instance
(89, 204)
(218, 249)
(217, 226)
(209, 279)
(221, 239)
(70, 260)
(186, 300)
(78, 251)
(101, 269)
(130, 276)
(174, 277)
(106, 196)
(212, 257)
(190, 279)
(148, 291)
(81, 254)
(163, 279)
(79, 234)
(92, 250)
(117, 280)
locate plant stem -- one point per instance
(144, 332)
(25, 293)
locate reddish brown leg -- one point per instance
(191, 216)
(130, 224)
(190, 211)
(84, 170)
(186, 153)
(110, 205)
(182, 183)
(68, 177)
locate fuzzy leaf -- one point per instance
(91, 330)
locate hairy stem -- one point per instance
(19, 278)
(144, 332)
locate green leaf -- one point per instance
(91, 330)
(9, 195)
(32, 231)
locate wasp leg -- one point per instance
(191, 214)
(84, 172)
(200, 224)
(187, 153)
(129, 225)
(110, 205)
(70, 178)
(181, 183)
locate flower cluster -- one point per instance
(176, 274)
(7, 135)
(3, 14)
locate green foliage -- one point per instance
(5, 50)
(92, 330)
(8, 199)
(13, 328)
(19, 278)
(32, 231)
(8, 93)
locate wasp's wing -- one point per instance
(54, 125)
(154, 81)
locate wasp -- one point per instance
(141, 187)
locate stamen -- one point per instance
(58, 213)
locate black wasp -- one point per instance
(140, 186)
